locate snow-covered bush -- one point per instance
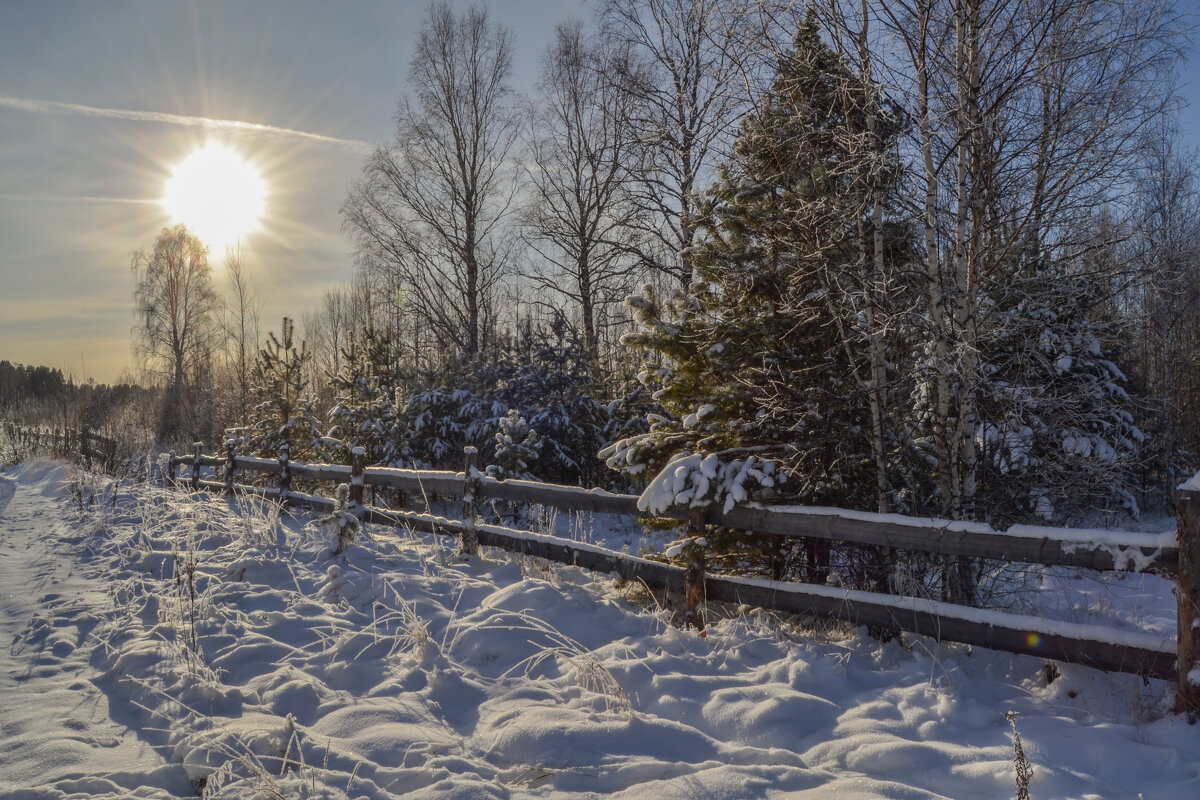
(466, 403)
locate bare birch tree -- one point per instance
(241, 324)
(178, 326)
(430, 209)
(686, 84)
(328, 330)
(580, 217)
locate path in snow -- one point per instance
(57, 729)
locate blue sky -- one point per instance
(80, 176)
(1189, 78)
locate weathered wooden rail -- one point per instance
(1025, 544)
(1094, 645)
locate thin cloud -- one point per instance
(75, 109)
(83, 198)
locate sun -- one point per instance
(217, 194)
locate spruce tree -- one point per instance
(754, 368)
(517, 449)
(284, 411)
(368, 389)
(552, 386)
(1057, 433)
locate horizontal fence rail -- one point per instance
(1098, 550)
(1094, 645)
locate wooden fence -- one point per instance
(63, 441)
(1094, 645)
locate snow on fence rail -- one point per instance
(1091, 549)
(1093, 645)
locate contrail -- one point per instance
(54, 107)
(62, 198)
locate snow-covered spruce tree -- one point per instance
(449, 408)
(1057, 437)
(755, 368)
(517, 449)
(552, 386)
(366, 389)
(283, 410)
(341, 525)
(627, 417)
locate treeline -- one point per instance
(921, 256)
(20, 384)
(45, 396)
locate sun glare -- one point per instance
(217, 194)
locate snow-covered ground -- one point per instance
(396, 668)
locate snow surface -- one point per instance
(396, 668)
(58, 726)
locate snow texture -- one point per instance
(399, 669)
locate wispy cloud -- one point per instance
(63, 198)
(75, 109)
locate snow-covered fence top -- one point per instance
(1090, 549)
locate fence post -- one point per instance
(1187, 595)
(196, 447)
(169, 476)
(285, 473)
(470, 538)
(693, 575)
(110, 452)
(358, 460)
(230, 462)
